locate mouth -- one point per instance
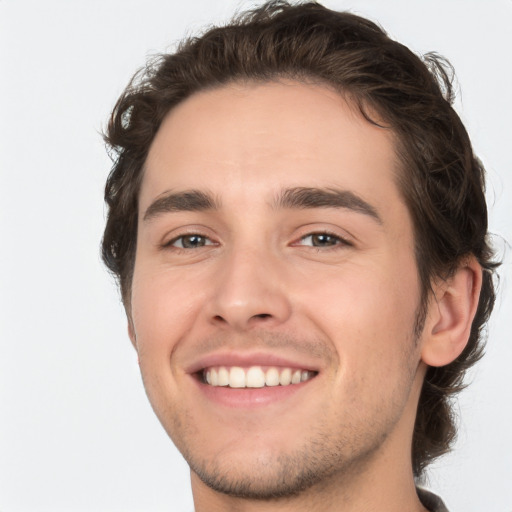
(254, 376)
(246, 380)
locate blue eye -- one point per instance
(322, 240)
(190, 242)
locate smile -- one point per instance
(255, 376)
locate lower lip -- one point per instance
(250, 397)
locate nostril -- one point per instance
(263, 315)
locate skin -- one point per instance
(260, 281)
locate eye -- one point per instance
(322, 240)
(192, 241)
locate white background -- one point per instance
(76, 431)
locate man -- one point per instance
(299, 229)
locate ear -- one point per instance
(451, 313)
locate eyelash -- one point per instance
(170, 244)
(338, 241)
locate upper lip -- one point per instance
(246, 359)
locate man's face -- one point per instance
(272, 237)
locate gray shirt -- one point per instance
(429, 500)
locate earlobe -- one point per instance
(451, 314)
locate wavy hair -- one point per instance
(441, 180)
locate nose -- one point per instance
(250, 291)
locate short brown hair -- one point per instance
(441, 180)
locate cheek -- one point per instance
(370, 322)
(368, 314)
(164, 306)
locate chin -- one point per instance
(275, 474)
(285, 476)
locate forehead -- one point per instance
(247, 140)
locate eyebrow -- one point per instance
(290, 198)
(305, 198)
(186, 201)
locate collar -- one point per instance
(431, 501)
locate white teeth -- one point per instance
(254, 377)
(286, 377)
(223, 379)
(236, 377)
(296, 377)
(272, 377)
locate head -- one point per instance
(383, 84)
